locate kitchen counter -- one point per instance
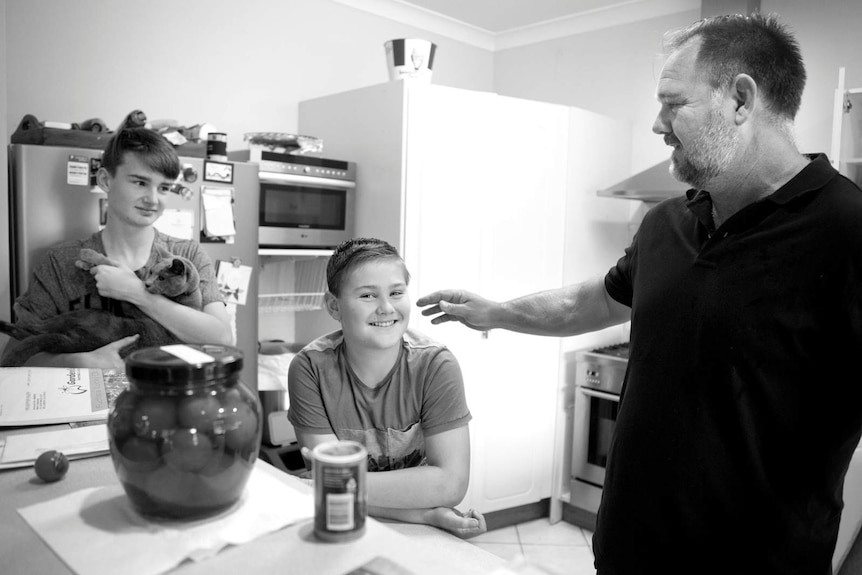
(421, 549)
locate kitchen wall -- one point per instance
(240, 65)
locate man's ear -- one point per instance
(103, 180)
(744, 92)
(331, 303)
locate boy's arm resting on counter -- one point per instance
(442, 482)
(440, 486)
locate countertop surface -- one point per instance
(420, 549)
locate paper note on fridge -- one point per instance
(45, 395)
(218, 212)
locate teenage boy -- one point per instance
(390, 388)
(139, 166)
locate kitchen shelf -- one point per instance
(281, 302)
(297, 252)
(297, 281)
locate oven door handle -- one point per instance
(599, 394)
(277, 178)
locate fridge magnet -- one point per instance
(95, 164)
(221, 172)
(177, 223)
(233, 279)
(217, 219)
(78, 171)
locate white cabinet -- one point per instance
(471, 187)
(846, 152)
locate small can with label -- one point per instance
(217, 146)
(338, 471)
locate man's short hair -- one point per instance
(757, 45)
(148, 145)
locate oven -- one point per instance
(599, 377)
(305, 202)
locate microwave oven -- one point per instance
(305, 202)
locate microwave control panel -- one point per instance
(307, 166)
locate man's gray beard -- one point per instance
(709, 155)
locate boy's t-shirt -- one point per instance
(58, 286)
(422, 395)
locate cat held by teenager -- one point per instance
(84, 330)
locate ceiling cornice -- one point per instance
(425, 19)
(624, 12)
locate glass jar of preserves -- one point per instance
(186, 433)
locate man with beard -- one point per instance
(734, 431)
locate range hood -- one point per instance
(651, 185)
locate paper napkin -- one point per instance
(95, 530)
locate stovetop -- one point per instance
(620, 350)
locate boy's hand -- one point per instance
(463, 525)
(108, 356)
(119, 283)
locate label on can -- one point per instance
(339, 469)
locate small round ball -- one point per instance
(51, 466)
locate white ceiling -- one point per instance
(501, 24)
(497, 16)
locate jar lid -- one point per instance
(184, 363)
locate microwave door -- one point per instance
(297, 211)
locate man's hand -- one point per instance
(108, 356)
(472, 310)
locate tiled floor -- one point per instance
(559, 549)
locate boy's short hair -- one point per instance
(353, 252)
(152, 149)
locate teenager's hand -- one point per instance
(472, 310)
(108, 356)
(119, 283)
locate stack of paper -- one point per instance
(36, 397)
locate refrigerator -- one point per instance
(53, 198)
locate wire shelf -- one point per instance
(290, 302)
(306, 275)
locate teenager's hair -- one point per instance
(149, 146)
(757, 45)
(357, 251)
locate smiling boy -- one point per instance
(390, 388)
(139, 166)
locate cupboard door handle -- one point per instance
(484, 335)
(599, 394)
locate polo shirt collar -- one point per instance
(811, 178)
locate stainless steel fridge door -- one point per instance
(45, 208)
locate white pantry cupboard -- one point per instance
(472, 189)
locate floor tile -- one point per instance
(502, 535)
(561, 559)
(588, 535)
(541, 532)
(507, 551)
